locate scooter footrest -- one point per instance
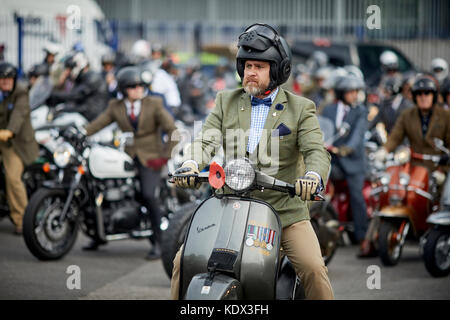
(222, 259)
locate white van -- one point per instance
(64, 21)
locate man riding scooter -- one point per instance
(258, 114)
(349, 159)
(143, 115)
(420, 125)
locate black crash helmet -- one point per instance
(129, 77)
(263, 43)
(425, 83)
(7, 70)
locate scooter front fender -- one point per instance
(242, 235)
(221, 287)
(440, 218)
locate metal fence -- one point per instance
(420, 28)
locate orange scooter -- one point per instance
(407, 200)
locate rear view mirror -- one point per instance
(439, 144)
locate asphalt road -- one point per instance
(119, 271)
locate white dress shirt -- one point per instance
(136, 105)
(342, 110)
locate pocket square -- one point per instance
(281, 130)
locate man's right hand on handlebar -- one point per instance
(188, 168)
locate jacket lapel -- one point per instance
(244, 110)
(274, 115)
(123, 116)
(349, 117)
(142, 115)
(433, 122)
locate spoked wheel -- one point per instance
(45, 235)
(436, 253)
(391, 240)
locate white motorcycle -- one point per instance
(96, 188)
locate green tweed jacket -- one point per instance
(291, 135)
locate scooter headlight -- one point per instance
(62, 154)
(239, 174)
(404, 179)
(402, 156)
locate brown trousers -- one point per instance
(16, 193)
(300, 244)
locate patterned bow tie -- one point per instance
(265, 101)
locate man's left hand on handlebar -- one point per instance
(306, 187)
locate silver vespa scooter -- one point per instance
(232, 247)
(435, 243)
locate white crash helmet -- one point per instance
(141, 50)
(51, 47)
(77, 62)
(439, 67)
(389, 60)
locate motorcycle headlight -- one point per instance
(62, 154)
(239, 174)
(402, 155)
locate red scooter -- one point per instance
(408, 198)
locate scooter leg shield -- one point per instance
(221, 287)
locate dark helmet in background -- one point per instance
(129, 77)
(392, 84)
(262, 42)
(38, 70)
(424, 82)
(7, 70)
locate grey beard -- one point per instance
(254, 91)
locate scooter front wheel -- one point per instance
(173, 237)
(436, 253)
(390, 242)
(45, 235)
